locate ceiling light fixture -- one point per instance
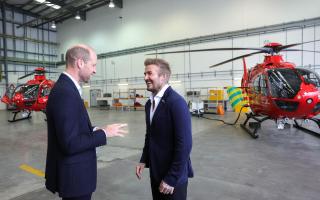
(53, 25)
(111, 4)
(77, 16)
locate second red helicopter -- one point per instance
(28, 97)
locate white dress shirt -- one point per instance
(157, 99)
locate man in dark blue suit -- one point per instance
(168, 139)
(71, 167)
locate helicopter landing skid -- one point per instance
(19, 119)
(253, 126)
(317, 121)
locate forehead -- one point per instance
(151, 68)
(93, 57)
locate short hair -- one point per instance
(162, 64)
(77, 52)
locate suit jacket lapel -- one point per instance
(148, 106)
(69, 81)
(71, 84)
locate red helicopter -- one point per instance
(28, 97)
(276, 89)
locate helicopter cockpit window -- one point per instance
(45, 91)
(263, 85)
(284, 83)
(309, 76)
(256, 85)
(30, 92)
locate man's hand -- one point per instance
(165, 188)
(114, 130)
(139, 170)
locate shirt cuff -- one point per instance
(97, 128)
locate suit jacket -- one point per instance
(71, 166)
(168, 140)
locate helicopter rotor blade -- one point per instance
(236, 58)
(310, 41)
(264, 49)
(282, 48)
(301, 50)
(50, 72)
(26, 75)
(211, 49)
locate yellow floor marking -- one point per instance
(31, 170)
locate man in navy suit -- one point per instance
(168, 139)
(71, 167)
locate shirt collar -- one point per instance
(75, 83)
(160, 94)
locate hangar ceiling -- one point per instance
(56, 11)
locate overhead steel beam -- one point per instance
(43, 4)
(88, 7)
(60, 3)
(23, 5)
(44, 17)
(92, 5)
(36, 6)
(96, 5)
(64, 16)
(118, 3)
(18, 9)
(44, 9)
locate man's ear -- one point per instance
(165, 78)
(79, 63)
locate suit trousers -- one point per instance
(84, 197)
(179, 193)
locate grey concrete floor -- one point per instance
(228, 163)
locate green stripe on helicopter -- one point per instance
(236, 98)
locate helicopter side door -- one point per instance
(259, 95)
(256, 95)
(264, 96)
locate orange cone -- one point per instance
(220, 110)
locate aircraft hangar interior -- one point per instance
(237, 118)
